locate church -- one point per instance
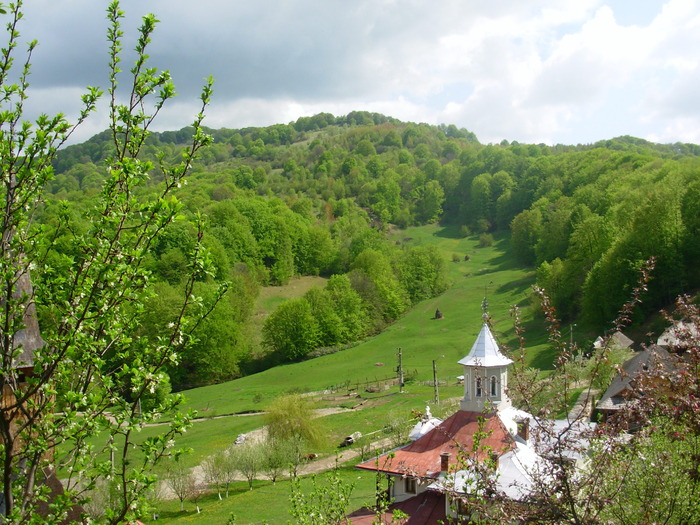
(432, 477)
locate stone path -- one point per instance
(583, 407)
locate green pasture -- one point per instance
(266, 503)
(422, 339)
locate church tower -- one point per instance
(485, 374)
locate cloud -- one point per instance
(545, 70)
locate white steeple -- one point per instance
(485, 374)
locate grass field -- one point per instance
(266, 503)
(489, 272)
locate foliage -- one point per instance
(79, 399)
(291, 330)
(325, 503)
(648, 475)
(292, 416)
(249, 460)
(656, 476)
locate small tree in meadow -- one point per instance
(213, 468)
(181, 480)
(249, 460)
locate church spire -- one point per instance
(485, 373)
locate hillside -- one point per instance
(316, 197)
(371, 364)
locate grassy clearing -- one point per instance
(422, 339)
(270, 297)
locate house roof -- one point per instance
(424, 426)
(614, 397)
(678, 334)
(426, 508)
(617, 340)
(515, 474)
(485, 351)
(422, 457)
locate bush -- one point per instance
(485, 239)
(456, 258)
(464, 231)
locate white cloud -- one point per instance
(544, 70)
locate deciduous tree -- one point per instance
(71, 397)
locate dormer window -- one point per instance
(478, 387)
(493, 386)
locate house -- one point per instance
(431, 476)
(22, 346)
(679, 336)
(621, 390)
(617, 340)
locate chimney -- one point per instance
(444, 462)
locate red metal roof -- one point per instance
(422, 457)
(427, 508)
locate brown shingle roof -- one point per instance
(422, 457)
(427, 508)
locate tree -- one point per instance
(72, 392)
(383, 290)
(429, 205)
(421, 270)
(293, 416)
(291, 330)
(526, 229)
(249, 460)
(228, 469)
(481, 199)
(324, 503)
(276, 459)
(647, 476)
(181, 480)
(348, 307)
(213, 468)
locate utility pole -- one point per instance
(435, 383)
(399, 370)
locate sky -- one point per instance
(535, 71)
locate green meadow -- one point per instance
(340, 380)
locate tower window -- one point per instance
(493, 386)
(478, 387)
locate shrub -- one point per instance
(485, 239)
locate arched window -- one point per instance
(478, 387)
(493, 386)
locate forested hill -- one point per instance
(314, 197)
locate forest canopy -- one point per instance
(317, 196)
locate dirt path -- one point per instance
(258, 435)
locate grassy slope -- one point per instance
(271, 296)
(421, 339)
